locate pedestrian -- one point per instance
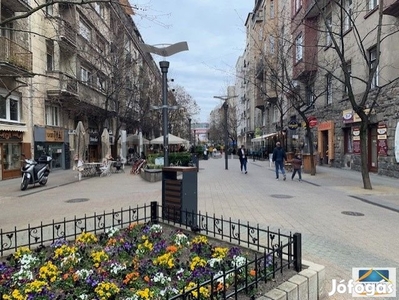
(297, 165)
(242, 155)
(279, 156)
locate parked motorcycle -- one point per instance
(35, 171)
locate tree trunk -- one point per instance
(364, 156)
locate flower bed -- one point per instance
(136, 263)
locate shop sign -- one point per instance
(293, 124)
(325, 126)
(93, 139)
(312, 121)
(356, 140)
(54, 135)
(347, 116)
(382, 140)
(10, 135)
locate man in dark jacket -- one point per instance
(242, 155)
(279, 157)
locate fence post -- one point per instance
(297, 237)
(154, 212)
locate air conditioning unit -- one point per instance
(259, 16)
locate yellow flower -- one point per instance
(48, 272)
(197, 262)
(220, 252)
(35, 286)
(106, 290)
(98, 257)
(86, 238)
(203, 291)
(64, 251)
(145, 294)
(21, 252)
(165, 260)
(200, 239)
(15, 295)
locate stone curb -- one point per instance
(306, 285)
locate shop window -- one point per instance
(9, 108)
(53, 116)
(348, 142)
(11, 156)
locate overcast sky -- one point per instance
(215, 33)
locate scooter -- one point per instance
(35, 171)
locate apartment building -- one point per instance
(336, 54)
(82, 63)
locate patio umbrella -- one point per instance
(105, 144)
(173, 140)
(135, 140)
(80, 141)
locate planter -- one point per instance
(151, 175)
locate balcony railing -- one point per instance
(61, 84)
(67, 32)
(14, 59)
(17, 5)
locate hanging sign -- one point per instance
(382, 140)
(356, 140)
(293, 124)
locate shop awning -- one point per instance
(9, 127)
(263, 137)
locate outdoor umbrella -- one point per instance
(135, 140)
(80, 141)
(105, 144)
(173, 140)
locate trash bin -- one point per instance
(179, 195)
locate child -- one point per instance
(297, 164)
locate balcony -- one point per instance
(17, 5)
(314, 7)
(260, 70)
(391, 7)
(15, 60)
(61, 85)
(67, 36)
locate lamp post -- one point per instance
(189, 130)
(226, 136)
(164, 65)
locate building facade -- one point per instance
(76, 63)
(332, 65)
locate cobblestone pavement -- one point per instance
(313, 207)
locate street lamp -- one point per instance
(189, 130)
(164, 65)
(226, 137)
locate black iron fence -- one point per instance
(276, 249)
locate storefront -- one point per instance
(325, 142)
(10, 154)
(55, 143)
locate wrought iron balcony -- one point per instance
(67, 33)
(15, 60)
(314, 7)
(17, 5)
(391, 7)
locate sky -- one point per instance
(215, 33)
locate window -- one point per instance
(101, 45)
(298, 5)
(85, 75)
(348, 15)
(9, 108)
(271, 9)
(53, 116)
(50, 54)
(49, 8)
(276, 115)
(260, 34)
(349, 67)
(299, 48)
(329, 89)
(328, 29)
(84, 30)
(372, 4)
(271, 42)
(373, 65)
(310, 94)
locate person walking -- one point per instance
(279, 156)
(242, 155)
(296, 165)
